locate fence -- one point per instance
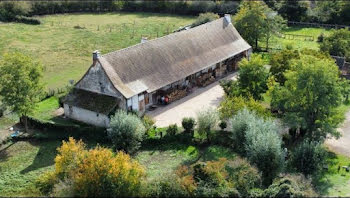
(297, 37)
(306, 24)
(134, 30)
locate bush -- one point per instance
(166, 187)
(308, 157)
(172, 129)
(46, 182)
(244, 176)
(337, 44)
(240, 124)
(97, 172)
(231, 105)
(258, 140)
(205, 18)
(148, 122)
(188, 124)
(126, 131)
(207, 120)
(290, 186)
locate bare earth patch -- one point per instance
(341, 145)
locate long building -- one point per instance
(135, 78)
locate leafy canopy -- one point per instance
(253, 76)
(255, 20)
(126, 131)
(338, 43)
(20, 86)
(310, 95)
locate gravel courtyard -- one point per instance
(341, 145)
(199, 99)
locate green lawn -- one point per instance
(278, 42)
(332, 182)
(65, 51)
(21, 163)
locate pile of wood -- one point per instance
(209, 81)
(176, 94)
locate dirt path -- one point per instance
(188, 106)
(342, 145)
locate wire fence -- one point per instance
(131, 29)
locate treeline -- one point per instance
(331, 12)
(10, 10)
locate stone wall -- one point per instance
(96, 80)
(86, 116)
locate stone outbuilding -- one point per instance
(137, 77)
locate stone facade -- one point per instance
(86, 116)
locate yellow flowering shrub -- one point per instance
(97, 172)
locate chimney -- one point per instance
(95, 56)
(144, 39)
(227, 18)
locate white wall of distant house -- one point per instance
(86, 116)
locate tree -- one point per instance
(309, 96)
(252, 79)
(337, 44)
(294, 10)
(20, 86)
(255, 20)
(126, 131)
(205, 18)
(281, 62)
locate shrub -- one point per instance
(46, 182)
(290, 186)
(258, 140)
(126, 131)
(188, 124)
(96, 172)
(102, 174)
(231, 105)
(148, 122)
(207, 120)
(308, 157)
(239, 124)
(204, 18)
(166, 187)
(172, 129)
(244, 176)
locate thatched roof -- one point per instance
(156, 63)
(92, 101)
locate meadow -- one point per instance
(64, 43)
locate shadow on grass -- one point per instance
(45, 156)
(3, 152)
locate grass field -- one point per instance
(65, 51)
(298, 43)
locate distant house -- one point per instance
(135, 78)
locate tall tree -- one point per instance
(253, 76)
(20, 86)
(310, 96)
(255, 20)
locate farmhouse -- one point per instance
(138, 77)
